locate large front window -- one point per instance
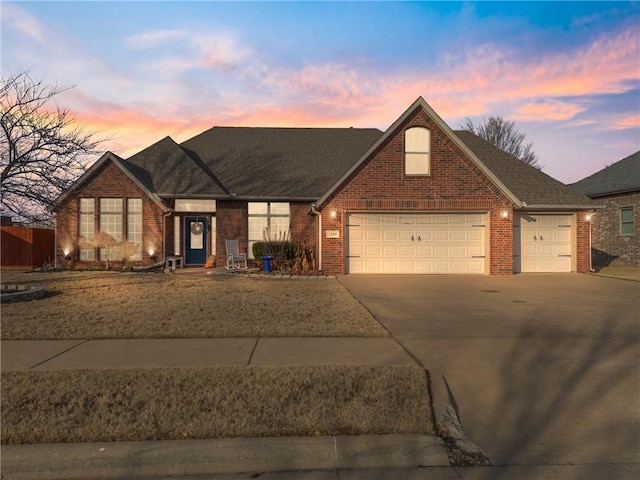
(268, 221)
(111, 224)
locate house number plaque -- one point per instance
(333, 233)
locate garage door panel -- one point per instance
(389, 235)
(416, 243)
(441, 235)
(372, 250)
(543, 243)
(458, 235)
(390, 250)
(476, 235)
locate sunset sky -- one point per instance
(568, 73)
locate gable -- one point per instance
(453, 174)
(109, 176)
(441, 133)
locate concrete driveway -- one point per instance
(545, 369)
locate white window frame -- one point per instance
(417, 151)
(134, 225)
(630, 222)
(111, 222)
(272, 219)
(87, 227)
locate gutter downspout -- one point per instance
(590, 249)
(317, 213)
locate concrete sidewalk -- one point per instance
(149, 353)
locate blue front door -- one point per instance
(195, 240)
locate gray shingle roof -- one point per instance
(621, 177)
(532, 186)
(287, 163)
(169, 170)
(304, 163)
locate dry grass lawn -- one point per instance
(174, 403)
(93, 305)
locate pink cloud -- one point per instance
(547, 110)
(625, 122)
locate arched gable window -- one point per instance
(417, 146)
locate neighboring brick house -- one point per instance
(615, 235)
(418, 198)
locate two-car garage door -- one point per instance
(454, 243)
(416, 243)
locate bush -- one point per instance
(284, 253)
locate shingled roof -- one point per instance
(533, 187)
(621, 177)
(286, 163)
(169, 170)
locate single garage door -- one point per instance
(542, 243)
(416, 243)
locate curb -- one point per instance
(220, 456)
(462, 451)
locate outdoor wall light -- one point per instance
(505, 214)
(589, 216)
(334, 214)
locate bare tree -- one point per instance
(42, 151)
(504, 135)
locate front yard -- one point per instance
(93, 305)
(197, 402)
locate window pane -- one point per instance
(134, 227)
(417, 140)
(626, 214)
(111, 223)
(417, 163)
(627, 229)
(258, 208)
(87, 227)
(626, 221)
(279, 208)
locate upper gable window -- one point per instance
(417, 142)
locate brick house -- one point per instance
(417, 198)
(615, 238)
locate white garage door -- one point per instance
(542, 243)
(416, 243)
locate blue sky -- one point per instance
(568, 73)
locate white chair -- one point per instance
(235, 259)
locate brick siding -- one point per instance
(455, 184)
(609, 247)
(107, 182)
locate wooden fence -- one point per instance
(25, 247)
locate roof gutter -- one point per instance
(526, 207)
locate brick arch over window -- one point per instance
(417, 149)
